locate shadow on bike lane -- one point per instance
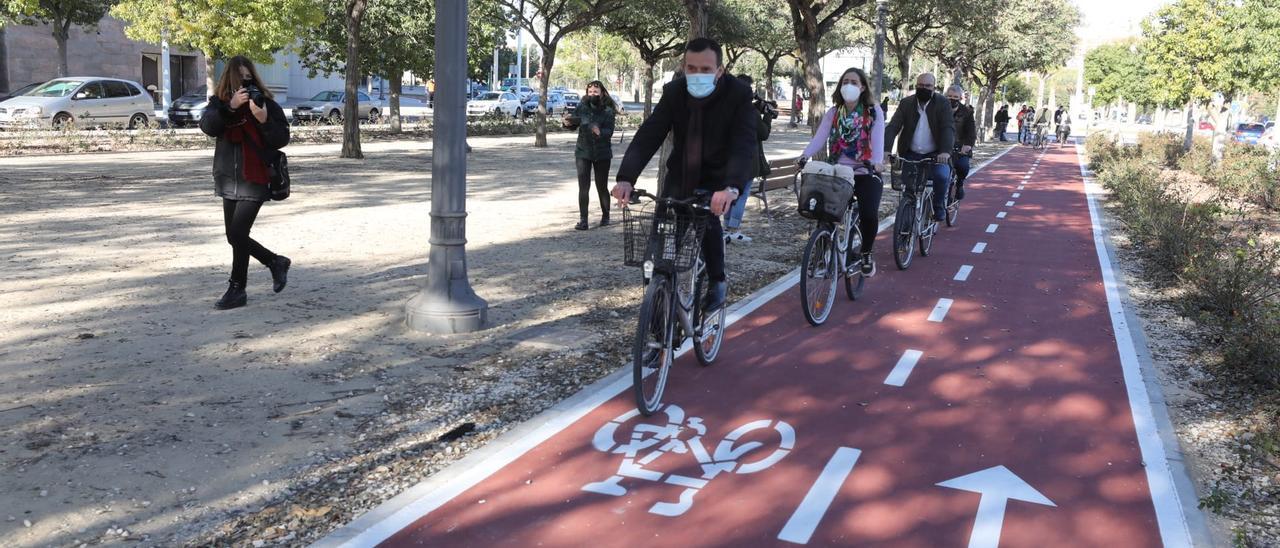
(948, 405)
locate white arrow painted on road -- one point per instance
(996, 485)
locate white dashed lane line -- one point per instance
(940, 310)
(963, 274)
(991, 228)
(1017, 195)
(980, 247)
(1002, 214)
(907, 363)
(1008, 204)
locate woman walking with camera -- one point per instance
(250, 128)
(596, 113)
(852, 134)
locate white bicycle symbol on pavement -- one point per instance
(649, 442)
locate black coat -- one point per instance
(966, 127)
(228, 157)
(1002, 116)
(590, 147)
(729, 144)
(903, 125)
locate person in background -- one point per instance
(767, 110)
(597, 113)
(925, 128)
(1023, 124)
(797, 105)
(966, 136)
(1002, 123)
(248, 126)
(884, 104)
(852, 133)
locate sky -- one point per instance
(1106, 20)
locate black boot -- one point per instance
(279, 272)
(715, 297)
(604, 219)
(235, 297)
(582, 225)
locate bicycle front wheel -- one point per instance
(953, 205)
(926, 225)
(818, 280)
(654, 350)
(904, 241)
(709, 329)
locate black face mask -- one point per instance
(955, 103)
(923, 95)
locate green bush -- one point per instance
(1160, 149)
(1199, 160)
(1102, 150)
(1237, 279)
(1246, 172)
(1175, 233)
(1249, 345)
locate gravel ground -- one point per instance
(1229, 433)
(130, 410)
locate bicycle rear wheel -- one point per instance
(928, 225)
(709, 330)
(654, 350)
(818, 280)
(853, 278)
(904, 243)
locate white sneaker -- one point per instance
(737, 237)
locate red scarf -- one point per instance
(244, 131)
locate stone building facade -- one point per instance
(31, 55)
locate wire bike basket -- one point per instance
(670, 236)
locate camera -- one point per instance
(767, 108)
(255, 95)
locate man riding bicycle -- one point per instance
(713, 126)
(966, 136)
(927, 127)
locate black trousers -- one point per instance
(869, 190)
(601, 169)
(239, 216)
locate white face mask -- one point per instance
(850, 93)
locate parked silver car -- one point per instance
(80, 101)
(555, 103)
(327, 105)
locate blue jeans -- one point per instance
(961, 164)
(941, 177)
(733, 219)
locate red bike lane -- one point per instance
(974, 399)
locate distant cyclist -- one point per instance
(927, 128)
(966, 136)
(852, 134)
(713, 126)
(1042, 124)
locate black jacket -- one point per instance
(228, 157)
(729, 143)
(903, 124)
(1002, 116)
(762, 134)
(966, 127)
(590, 147)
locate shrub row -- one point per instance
(1232, 271)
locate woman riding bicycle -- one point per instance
(853, 133)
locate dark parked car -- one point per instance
(1248, 133)
(20, 91)
(186, 110)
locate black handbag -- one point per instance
(277, 168)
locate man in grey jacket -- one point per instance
(925, 127)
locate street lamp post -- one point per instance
(882, 12)
(447, 304)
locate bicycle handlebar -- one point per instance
(699, 200)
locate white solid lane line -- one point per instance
(1002, 214)
(991, 228)
(940, 310)
(1008, 204)
(980, 247)
(963, 274)
(906, 364)
(799, 529)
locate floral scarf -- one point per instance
(851, 133)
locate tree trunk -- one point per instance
(210, 69)
(697, 10)
(813, 81)
(61, 36)
(397, 85)
(1040, 93)
(1191, 128)
(351, 105)
(648, 88)
(904, 72)
(769, 65)
(4, 62)
(540, 124)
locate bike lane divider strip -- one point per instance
(906, 364)
(1009, 204)
(1017, 194)
(799, 529)
(979, 247)
(991, 228)
(940, 310)
(1002, 214)
(963, 273)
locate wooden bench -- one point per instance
(782, 174)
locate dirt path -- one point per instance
(130, 409)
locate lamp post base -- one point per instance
(440, 314)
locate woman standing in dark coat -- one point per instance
(249, 126)
(594, 153)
